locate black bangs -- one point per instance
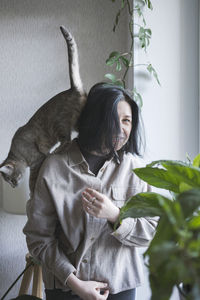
(99, 121)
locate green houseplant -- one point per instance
(174, 253)
(122, 63)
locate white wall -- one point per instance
(33, 65)
(170, 112)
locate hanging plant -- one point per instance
(123, 62)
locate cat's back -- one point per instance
(62, 101)
(64, 108)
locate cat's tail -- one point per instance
(74, 73)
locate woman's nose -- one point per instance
(121, 127)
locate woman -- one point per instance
(77, 201)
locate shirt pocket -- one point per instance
(120, 194)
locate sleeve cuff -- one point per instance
(62, 271)
(124, 229)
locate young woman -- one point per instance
(77, 200)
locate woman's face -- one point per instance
(125, 121)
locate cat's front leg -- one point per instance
(34, 170)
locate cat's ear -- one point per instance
(7, 169)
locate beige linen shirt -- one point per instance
(65, 239)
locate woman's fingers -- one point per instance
(94, 193)
(105, 294)
(101, 285)
(91, 201)
(103, 288)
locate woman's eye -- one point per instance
(127, 120)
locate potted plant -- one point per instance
(174, 253)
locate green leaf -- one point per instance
(119, 82)
(140, 14)
(159, 178)
(149, 4)
(184, 187)
(162, 251)
(194, 223)
(148, 32)
(188, 159)
(137, 98)
(189, 201)
(182, 173)
(163, 233)
(110, 61)
(153, 72)
(118, 66)
(151, 205)
(187, 174)
(196, 161)
(123, 4)
(165, 161)
(113, 57)
(111, 77)
(143, 205)
(114, 54)
(125, 61)
(144, 36)
(116, 20)
(173, 212)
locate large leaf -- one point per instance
(187, 174)
(194, 223)
(165, 161)
(172, 210)
(143, 205)
(163, 233)
(159, 178)
(189, 201)
(196, 161)
(172, 177)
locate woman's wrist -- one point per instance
(73, 281)
(115, 215)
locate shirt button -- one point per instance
(102, 169)
(92, 239)
(84, 261)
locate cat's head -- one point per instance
(12, 172)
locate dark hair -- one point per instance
(99, 121)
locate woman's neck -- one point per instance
(94, 160)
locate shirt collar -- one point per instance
(75, 155)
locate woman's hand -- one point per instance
(88, 290)
(99, 205)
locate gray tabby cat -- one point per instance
(53, 122)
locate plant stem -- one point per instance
(137, 65)
(130, 11)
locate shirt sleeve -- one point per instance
(137, 232)
(40, 231)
